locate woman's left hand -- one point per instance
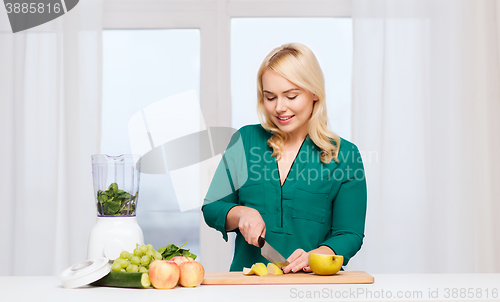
(299, 260)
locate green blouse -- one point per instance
(318, 204)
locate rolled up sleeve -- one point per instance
(349, 211)
(222, 194)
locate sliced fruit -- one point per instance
(248, 271)
(260, 269)
(273, 269)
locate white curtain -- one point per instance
(426, 115)
(50, 94)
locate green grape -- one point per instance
(150, 253)
(143, 249)
(129, 268)
(136, 260)
(157, 256)
(142, 269)
(116, 266)
(130, 255)
(138, 252)
(133, 268)
(123, 270)
(150, 247)
(124, 255)
(145, 260)
(122, 262)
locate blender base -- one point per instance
(112, 235)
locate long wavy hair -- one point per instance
(298, 64)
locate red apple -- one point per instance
(192, 274)
(164, 274)
(180, 259)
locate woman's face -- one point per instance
(288, 105)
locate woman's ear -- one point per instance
(315, 97)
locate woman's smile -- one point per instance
(285, 119)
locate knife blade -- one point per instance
(271, 254)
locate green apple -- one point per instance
(322, 264)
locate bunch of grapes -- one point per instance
(138, 261)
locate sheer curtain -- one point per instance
(50, 93)
(426, 115)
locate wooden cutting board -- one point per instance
(342, 277)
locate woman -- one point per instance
(294, 182)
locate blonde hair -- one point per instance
(298, 64)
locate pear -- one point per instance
(322, 264)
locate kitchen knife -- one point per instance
(271, 254)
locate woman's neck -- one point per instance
(298, 136)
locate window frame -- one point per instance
(213, 19)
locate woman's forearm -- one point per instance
(249, 222)
(233, 218)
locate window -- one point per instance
(141, 67)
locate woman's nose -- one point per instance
(280, 105)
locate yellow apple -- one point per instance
(273, 269)
(322, 264)
(260, 269)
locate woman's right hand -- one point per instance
(249, 221)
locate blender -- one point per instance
(116, 192)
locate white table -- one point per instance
(412, 287)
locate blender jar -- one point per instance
(116, 184)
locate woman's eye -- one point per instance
(270, 99)
(292, 97)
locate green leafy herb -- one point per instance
(115, 202)
(171, 250)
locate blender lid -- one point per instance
(85, 272)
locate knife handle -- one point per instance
(261, 241)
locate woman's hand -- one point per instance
(249, 221)
(299, 259)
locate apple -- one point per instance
(273, 269)
(192, 273)
(322, 264)
(164, 274)
(180, 259)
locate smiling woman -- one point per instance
(284, 66)
(297, 214)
